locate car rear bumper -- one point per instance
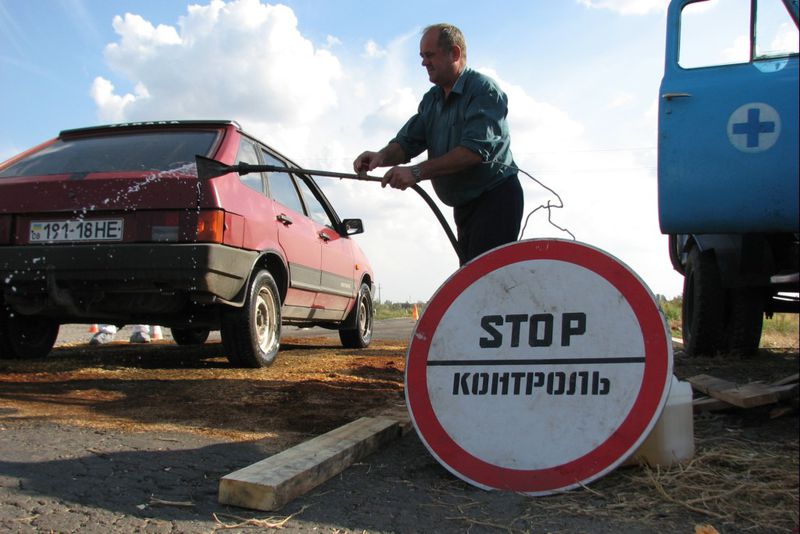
(200, 269)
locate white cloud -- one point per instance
(372, 50)
(111, 106)
(785, 40)
(331, 41)
(621, 100)
(236, 59)
(627, 7)
(738, 51)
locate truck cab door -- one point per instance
(728, 118)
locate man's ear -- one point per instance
(455, 51)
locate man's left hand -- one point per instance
(399, 178)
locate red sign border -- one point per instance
(630, 433)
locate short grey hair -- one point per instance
(449, 36)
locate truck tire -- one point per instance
(251, 334)
(703, 307)
(190, 336)
(744, 320)
(25, 337)
(360, 336)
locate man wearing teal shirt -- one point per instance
(461, 122)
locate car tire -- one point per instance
(745, 319)
(703, 307)
(251, 334)
(190, 336)
(363, 316)
(26, 336)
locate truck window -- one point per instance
(776, 35)
(719, 33)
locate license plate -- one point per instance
(76, 230)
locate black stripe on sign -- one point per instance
(549, 361)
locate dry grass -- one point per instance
(732, 484)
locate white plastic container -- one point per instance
(672, 439)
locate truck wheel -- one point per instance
(251, 334)
(26, 336)
(190, 336)
(703, 304)
(360, 336)
(745, 318)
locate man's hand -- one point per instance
(399, 178)
(368, 161)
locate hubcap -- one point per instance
(265, 320)
(363, 319)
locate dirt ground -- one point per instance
(744, 477)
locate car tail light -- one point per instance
(164, 227)
(210, 226)
(184, 226)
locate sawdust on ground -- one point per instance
(313, 386)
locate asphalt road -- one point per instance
(387, 329)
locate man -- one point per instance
(461, 122)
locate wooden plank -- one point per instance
(709, 404)
(743, 396)
(273, 482)
(788, 380)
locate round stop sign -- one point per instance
(538, 367)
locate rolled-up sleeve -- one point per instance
(412, 137)
(484, 124)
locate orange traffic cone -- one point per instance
(93, 329)
(416, 313)
(156, 334)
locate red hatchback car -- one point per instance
(111, 224)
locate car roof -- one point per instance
(147, 124)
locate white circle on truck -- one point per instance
(538, 367)
(754, 127)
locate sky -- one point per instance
(322, 81)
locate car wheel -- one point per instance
(745, 319)
(360, 336)
(251, 334)
(703, 304)
(190, 336)
(26, 336)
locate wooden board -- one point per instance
(273, 482)
(743, 396)
(788, 380)
(709, 404)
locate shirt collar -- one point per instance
(458, 87)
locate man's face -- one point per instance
(441, 65)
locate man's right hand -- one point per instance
(367, 162)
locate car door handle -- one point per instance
(325, 237)
(670, 96)
(284, 219)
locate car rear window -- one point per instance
(119, 152)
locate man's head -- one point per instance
(443, 50)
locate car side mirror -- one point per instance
(352, 226)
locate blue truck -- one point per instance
(728, 166)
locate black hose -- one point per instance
(436, 211)
(209, 168)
